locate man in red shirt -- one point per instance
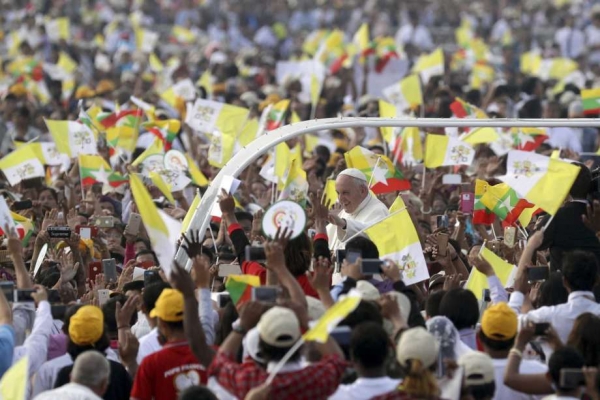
(166, 373)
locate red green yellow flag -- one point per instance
(240, 287)
(95, 169)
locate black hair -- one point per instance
(244, 216)
(496, 345)
(552, 291)
(271, 353)
(432, 306)
(23, 111)
(229, 316)
(580, 269)
(49, 189)
(197, 393)
(152, 293)
(528, 86)
(369, 345)
(473, 96)
(366, 311)
(109, 309)
(564, 357)
(298, 255)
(366, 247)
(461, 307)
(151, 252)
(323, 153)
(583, 183)
(145, 241)
(174, 325)
(481, 392)
(531, 109)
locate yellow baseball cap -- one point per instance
(83, 92)
(86, 325)
(499, 322)
(169, 306)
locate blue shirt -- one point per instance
(7, 346)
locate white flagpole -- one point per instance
(374, 168)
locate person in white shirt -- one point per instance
(570, 39)
(561, 137)
(414, 36)
(592, 36)
(497, 335)
(579, 269)
(369, 350)
(89, 379)
(359, 208)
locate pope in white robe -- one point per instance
(360, 209)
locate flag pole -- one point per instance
(397, 152)
(285, 359)
(547, 223)
(494, 231)
(373, 224)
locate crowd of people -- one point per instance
(94, 303)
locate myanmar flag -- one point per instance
(591, 101)
(165, 130)
(109, 120)
(95, 169)
(481, 215)
(240, 287)
(528, 139)
(378, 169)
(462, 109)
(277, 115)
(503, 201)
(23, 226)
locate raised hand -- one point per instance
(181, 280)
(226, 202)
(322, 271)
(192, 245)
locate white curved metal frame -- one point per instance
(261, 145)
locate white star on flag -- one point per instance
(101, 175)
(506, 204)
(379, 172)
(524, 139)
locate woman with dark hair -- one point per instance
(48, 198)
(584, 337)
(552, 292)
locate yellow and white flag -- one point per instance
(208, 116)
(534, 177)
(481, 135)
(190, 214)
(429, 65)
(13, 385)
(48, 154)
(21, 164)
(332, 317)
(163, 231)
(221, 148)
(72, 138)
(157, 148)
(145, 40)
(443, 150)
(405, 94)
(478, 281)
(396, 239)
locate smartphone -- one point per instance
(59, 232)
(94, 268)
(133, 226)
(442, 242)
(538, 274)
(267, 294)
(451, 179)
(24, 295)
(8, 289)
(341, 334)
(571, 378)
(53, 296)
(229, 269)
(109, 269)
(510, 235)
(371, 266)
(541, 328)
(150, 277)
(103, 296)
(442, 221)
(340, 256)
(105, 222)
(86, 232)
(223, 299)
(255, 254)
(486, 295)
(22, 205)
(467, 203)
